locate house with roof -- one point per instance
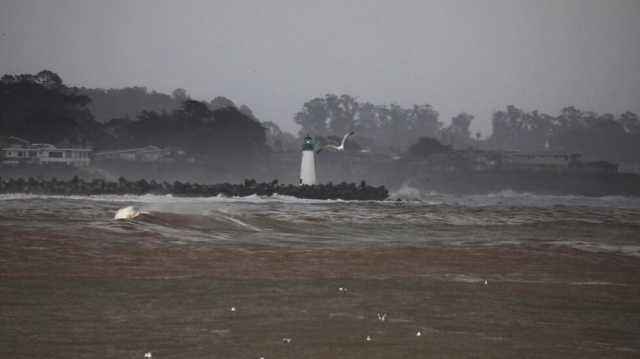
(19, 151)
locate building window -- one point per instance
(32, 154)
(55, 154)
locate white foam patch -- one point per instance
(242, 224)
(406, 193)
(464, 278)
(129, 212)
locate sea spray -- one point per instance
(129, 212)
(406, 193)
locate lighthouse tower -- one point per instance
(308, 165)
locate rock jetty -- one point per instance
(78, 186)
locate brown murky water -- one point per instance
(314, 279)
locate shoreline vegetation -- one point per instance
(147, 137)
(78, 186)
(41, 109)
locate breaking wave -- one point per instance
(511, 198)
(411, 217)
(405, 193)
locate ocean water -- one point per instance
(493, 275)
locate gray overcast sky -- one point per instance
(475, 56)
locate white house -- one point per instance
(43, 153)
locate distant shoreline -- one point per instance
(204, 179)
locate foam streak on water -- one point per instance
(605, 224)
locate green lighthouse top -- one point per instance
(308, 144)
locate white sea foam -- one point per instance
(242, 224)
(407, 194)
(464, 278)
(129, 212)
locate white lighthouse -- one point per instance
(308, 165)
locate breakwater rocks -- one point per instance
(77, 186)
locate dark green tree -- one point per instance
(40, 108)
(220, 102)
(458, 134)
(313, 118)
(427, 146)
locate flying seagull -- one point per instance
(382, 316)
(337, 148)
(344, 139)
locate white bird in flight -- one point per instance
(382, 316)
(344, 139)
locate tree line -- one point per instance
(601, 136)
(383, 128)
(128, 102)
(42, 109)
(393, 128)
